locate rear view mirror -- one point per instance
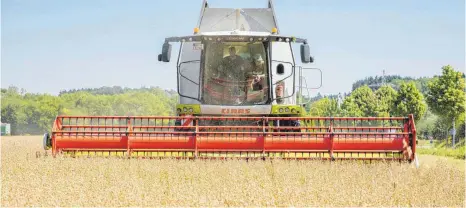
(166, 52)
(306, 54)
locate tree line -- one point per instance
(437, 103)
(30, 113)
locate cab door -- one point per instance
(283, 73)
(189, 67)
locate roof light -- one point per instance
(274, 30)
(196, 30)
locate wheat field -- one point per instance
(47, 181)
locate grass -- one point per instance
(457, 153)
(441, 149)
(46, 181)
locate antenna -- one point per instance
(383, 77)
(339, 100)
(204, 5)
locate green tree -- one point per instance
(409, 101)
(427, 125)
(361, 102)
(48, 108)
(13, 109)
(324, 107)
(446, 95)
(386, 96)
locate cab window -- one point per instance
(235, 73)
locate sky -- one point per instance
(53, 45)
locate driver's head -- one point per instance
(232, 51)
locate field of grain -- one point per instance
(46, 181)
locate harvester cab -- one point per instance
(240, 91)
(237, 63)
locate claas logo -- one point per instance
(235, 111)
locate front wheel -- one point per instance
(47, 141)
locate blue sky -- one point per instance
(50, 45)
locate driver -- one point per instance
(233, 65)
(256, 77)
(232, 69)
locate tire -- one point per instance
(47, 143)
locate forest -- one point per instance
(436, 102)
(30, 113)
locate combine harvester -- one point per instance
(240, 97)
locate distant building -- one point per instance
(5, 129)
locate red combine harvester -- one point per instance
(240, 97)
(319, 138)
